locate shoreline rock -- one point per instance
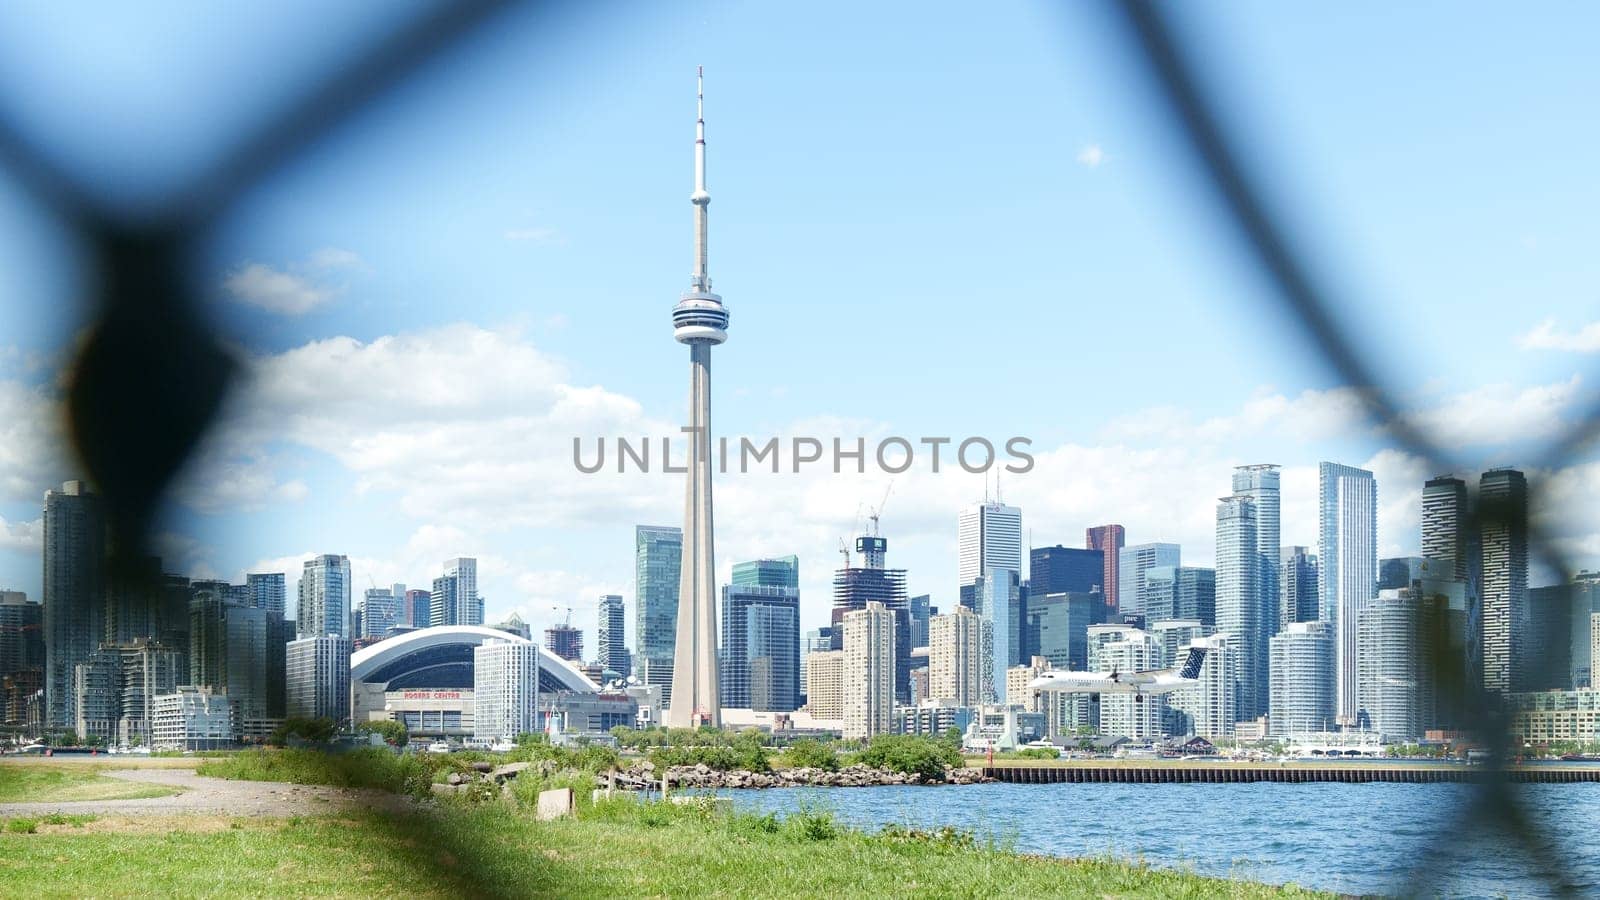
(643, 776)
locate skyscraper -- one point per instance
(921, 612)
(74, 614)
(1180, 592)
(989, 536)
(658, 560)
(1444, 522)
(324, 597)
(1395, 683)
(267, 591)
(760, 655)
(1302, 679)
(419, 608)
(998, 601)
(1503, 525)
(700, 321)
(1109, 540)
(1297, 587)
(318, 677)
(1347, 552)
(782, 571)
(1239, 606)
(455, 599)
(611, 650)
(869, 671)
(955, 666)
(1058, 570)
(1056, 627)
(1133, 563)
(1125, 649)
(1209, 707)
(505, 688)
(380, 611)
(1260, 483)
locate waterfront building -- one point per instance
(133, 609)
(1297, 587)
(872, 582)
(95, 697)
(760, 656)
(565, 640)
(1058, 570)
(1302, 669)
(1584, 603)
(248, 640)
(997, 599)
(658, 560)
(1056, 627)
(74, 529)
(267, 591)
(1347, 551)
(1503, 528)
(919, 681)
(1018, 679)
(825, 684)
(611, 649)
(1123, 648)
(783, 572)
(869, 671)
(1209, 708)
(700, 321)
(1181, 592)
(1240, 603)
(324, 597)
(1134, 563)
(1109, 540)
(317, 671)
(988, 537)
(505, 689)
(1545, 651)
(1394, 657)
(933, 717)
(955, 663)
(192, 718)
(1544, 717)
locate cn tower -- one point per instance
(700, 321)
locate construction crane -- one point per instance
(877, 511)
(569, 613)
(844, 549)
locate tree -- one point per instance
(394, 733)
(316, 731)
(810, 753)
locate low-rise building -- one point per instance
(1544, 717)
(194, 718)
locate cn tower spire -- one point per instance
(701, 198)
(701, 321)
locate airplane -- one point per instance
(1140, 684)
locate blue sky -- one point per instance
(926, 221)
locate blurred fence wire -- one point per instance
(151, 378)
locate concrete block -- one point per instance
(555, 804)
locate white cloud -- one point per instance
(1092, 156)
(1499, 414)
(33, 448)
(22, 537)
(1546, 336)
(295, 290)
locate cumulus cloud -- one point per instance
(21, 537)
(295, 290)
(1547, 336)
(1498, 414)
(33, 448)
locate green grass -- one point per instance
(618, 849)
(372, 767)
(43, 782)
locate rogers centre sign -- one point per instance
(430, 695)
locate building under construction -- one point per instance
(856, 586)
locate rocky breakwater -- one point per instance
(485, 780)
(644, 775)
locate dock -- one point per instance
(1158, 772)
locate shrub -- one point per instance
(810, 753)
(911, 754)
(946, 838)
(811, 823)
(394, 733)
(23, 826)
(316, 731)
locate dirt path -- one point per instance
(214, 796)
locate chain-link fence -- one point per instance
(151, 367)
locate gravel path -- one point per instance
(214, 796)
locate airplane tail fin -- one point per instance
(1191, 666)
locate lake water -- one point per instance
(1351, 838)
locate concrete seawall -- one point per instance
(1292, 773)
